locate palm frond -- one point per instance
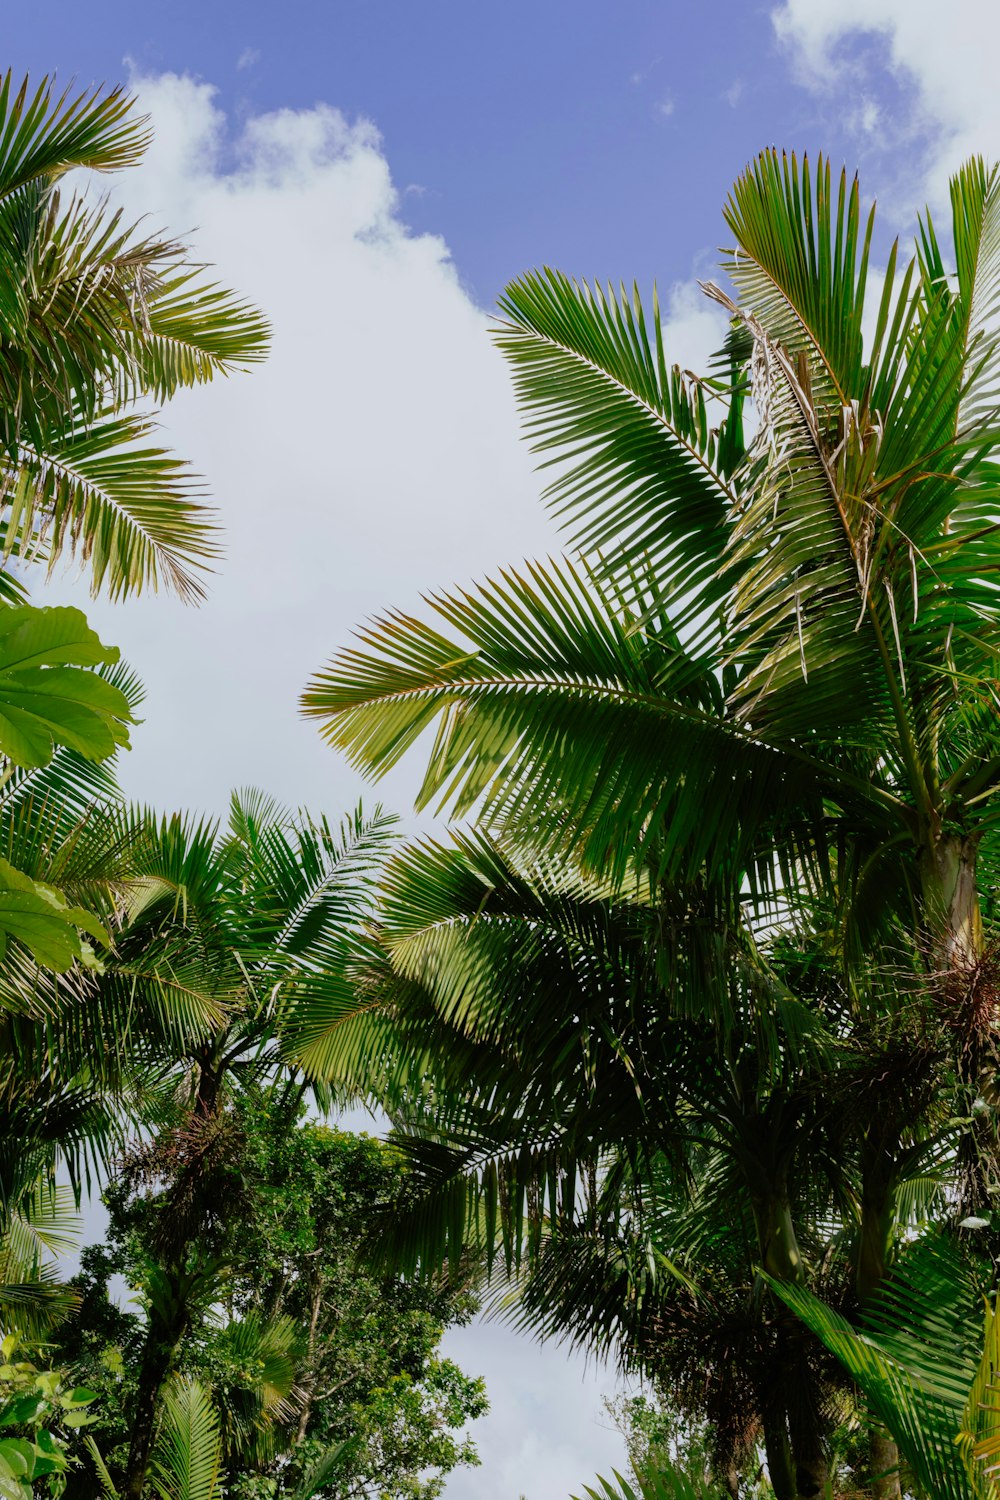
(560, 716)
(802, 265)
(187, 1458)
(642, 466)
(194, 331)
(100, 493)
(665, 1483)
(917, 1366)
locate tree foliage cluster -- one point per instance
(302, 1350)
(688, 1026)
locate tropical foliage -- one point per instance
(301, 1354)
(927, 1359)
(95, 317)
(710, 992)
(159, 976)
(686, 1027)
(98, 315)
(40, 1418)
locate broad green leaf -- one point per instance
(40, 917)
(19, 1456)
(21, 1409)
(47, 696)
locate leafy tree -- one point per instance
(222, 929)
(632, 1158)
(40, 1420)
(95, 317)
(654, 1434)
(310, 1355)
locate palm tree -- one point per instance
(766, 680)
(581, 1108)
(95, 316)
(783, 649)
(188, 1456)
(62, 1092)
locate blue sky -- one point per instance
(599, 137)
(372, 172)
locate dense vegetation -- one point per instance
(687, 1032)
(706, 1002)
(303, 1350)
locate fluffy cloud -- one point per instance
(548, 1433)
(947, 64)
(376, 454)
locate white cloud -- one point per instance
(375, 455)
(734, 93)
(547, 1434)
(693, 327)
(247, 58)
(666, 107)
(949, 59)
(868, 117)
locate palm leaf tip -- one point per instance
(187, 1460)
(44, 134)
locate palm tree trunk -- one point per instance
(955, 931)
(779, 1246)
(159, 1351)
(793, 1427)
(805, 1427)
(951, 905)
(778, 1451)
(883, 1459)
(164, 1334)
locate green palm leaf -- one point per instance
(920, 1374)
(96, 316)
(802, 264)
(643, 466)
(557, 714)
(131, 511)
(187, 1459)
(194, 330)
(41, 137)
(665, 1484)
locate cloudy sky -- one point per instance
(371, 172)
